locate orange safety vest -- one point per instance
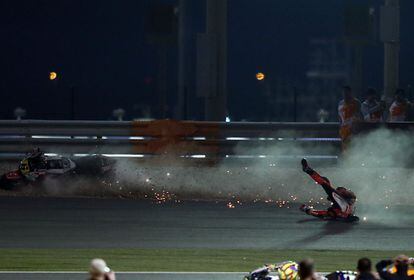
(398, 111)
(348, 112)
(375, 117)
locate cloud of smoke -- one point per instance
(376, 167)
(274, 177)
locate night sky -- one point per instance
(100, 51)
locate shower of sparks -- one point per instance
(163, 197)
(230, 205)
(270, 194)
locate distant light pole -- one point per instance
(183, 98)
(72, 102)
(390, 35)
(216, 32)
(295, 104)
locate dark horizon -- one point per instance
(103, 59)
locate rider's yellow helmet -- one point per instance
(24, 166)
(288, 271)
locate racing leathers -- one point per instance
(37, 160)
(401, 273)
(33, 165)
(262, 273)
(398, 110)
(343, 200)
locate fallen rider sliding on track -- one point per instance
(342, 199)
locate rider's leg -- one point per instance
(322, 181)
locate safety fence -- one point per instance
(169, 139)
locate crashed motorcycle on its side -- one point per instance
(36, 167)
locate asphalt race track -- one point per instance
(119, 223)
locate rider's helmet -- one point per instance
(24, 166)
(288, 271)
(346, 194)
(401, 263)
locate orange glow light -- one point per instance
(260, 76)
(52, 76)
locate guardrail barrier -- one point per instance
(163, 139)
